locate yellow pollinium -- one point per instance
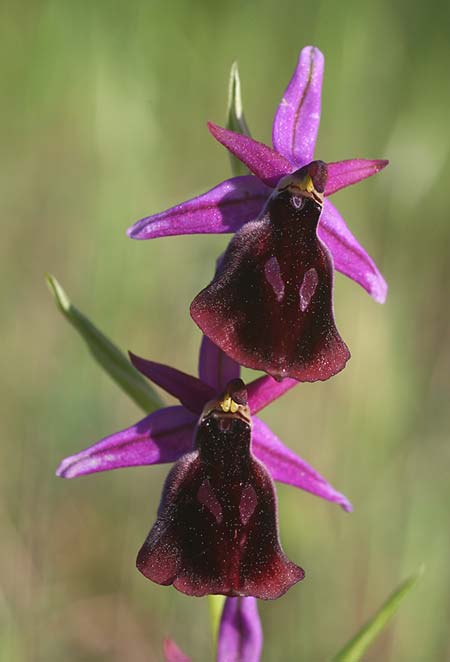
(304, 183)
(228, 404)
(307, 184)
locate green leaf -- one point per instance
(357, 646)
(108, 355)
(235, 117)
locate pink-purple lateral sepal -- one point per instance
(264, 390)
(222, 209)
(240, 633)
(297, 119)
(161, 437)
(349, 256)
(217, 530)
(172, 653)
(285, 466)
(190, 391)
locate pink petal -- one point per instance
(264, 390)
(216, 368)
(264, 162)
(163, 436)
(297, 119)
(349, 256)
(172, 653)
(240, 632)
(346, 173)
(225, 208)
(286, 467)
(190, 391)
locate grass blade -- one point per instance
(356, 647)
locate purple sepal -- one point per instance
(297, 119)
(286, 467)
(264, 390)
(264, 162)
(163, 436)
(222, 209)
(214, 367)
(349, 256)
(240, 632)
(190, 391)
(345, 173)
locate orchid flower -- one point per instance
(217, 525)
(236, 201)
(270, 304)
(167, 435)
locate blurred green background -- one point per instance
(103, 110)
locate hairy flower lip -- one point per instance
(269, 305)
(217, 527)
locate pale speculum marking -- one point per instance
(272, 273)
(248, 504)
(307, 288)
(207, 498)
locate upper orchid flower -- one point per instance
(270, 304)
(168, 434)
(234, 202)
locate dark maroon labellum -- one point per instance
(270, 305)
(217, 528)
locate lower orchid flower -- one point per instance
(206, 515)
(217, 530)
